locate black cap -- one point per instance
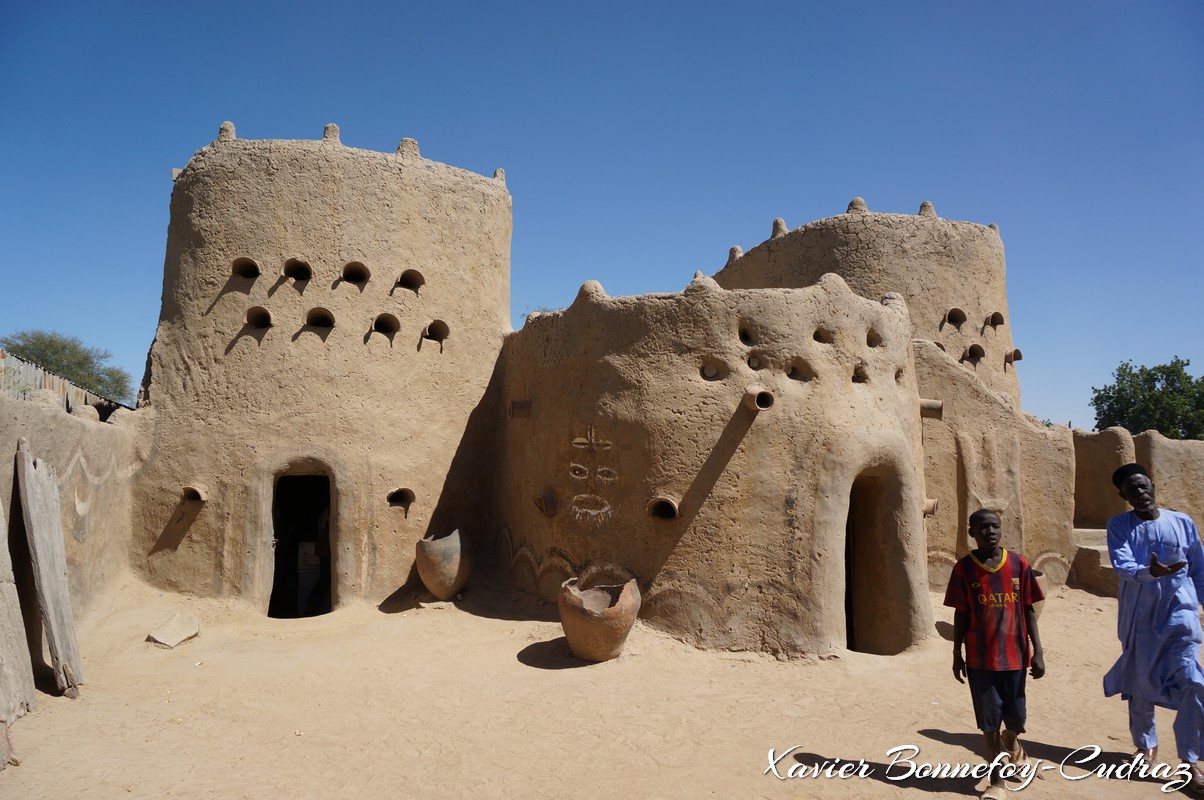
(1127, 471)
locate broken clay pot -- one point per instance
(444, 564)
(1044, 585)
(596, 621)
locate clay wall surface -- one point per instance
(94, 462)
(985, 453)
(1096, 457)
(249, 380)
(628, 449)
(1047, 492)
(1177, 466)
(952, 275)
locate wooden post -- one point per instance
(44, 529)
(17, 691)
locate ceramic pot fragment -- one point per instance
(444, 564)
(1044, 585)
(596, 621)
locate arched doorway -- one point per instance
(301, 532)
(877, 596)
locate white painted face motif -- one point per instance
(589, 474)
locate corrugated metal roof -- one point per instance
(18, 378)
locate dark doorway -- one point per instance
(877, 600)
(301, 528)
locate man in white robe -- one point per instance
(1159, 561)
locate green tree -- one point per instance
(68, 357)
(1164, 398)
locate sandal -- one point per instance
(1017, 755)
(994, 792)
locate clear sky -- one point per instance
(640, 142)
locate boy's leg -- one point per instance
(1012, 690)
(988, 713)
(1014, 711)
(1012, 746)
(996, 789)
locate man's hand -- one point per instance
(1037, 665)
(959, 667)
(1160, 570)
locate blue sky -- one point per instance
(641, 141)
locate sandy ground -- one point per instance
(478, 699)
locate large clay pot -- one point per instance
(596, 621)
(1044, 584)
(444, 564)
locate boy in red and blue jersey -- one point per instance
(992, 591)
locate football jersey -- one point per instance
(997, 638)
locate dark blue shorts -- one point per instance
(998, 699)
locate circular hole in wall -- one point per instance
(401, 498)
(974, 353)
(662, 508)
(955, 317)
(259, 317)
(861, 372)
(800, 370)
(713, 369)
(757, 362)
(874, 339)
(355, 272)
(546, 503)
(899, 375)
(824, 336)
(245, 268)
(298, 270)
(319, 318)
(746, 335)
(436, 331)
(386, 324)
(996, 319)
(411, 279)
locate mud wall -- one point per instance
(327, 312)
(1176, 465)
(1096, 457)
(632, 445)
(985, 453)
(94, 462)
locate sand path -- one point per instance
(477, 699)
